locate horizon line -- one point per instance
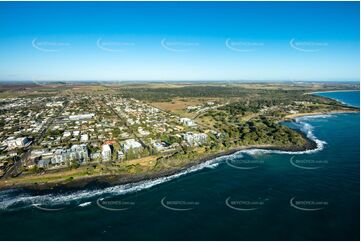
(190, 80)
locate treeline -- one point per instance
(167, 94)
(251, 98)
(260, 132)
(264, 131)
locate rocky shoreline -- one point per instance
(102, 181)
(107, 180)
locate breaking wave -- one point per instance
(85, 204)
(15, 199)
(311, 117)
(306, 128)
(10, 199)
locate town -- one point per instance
(54, 131)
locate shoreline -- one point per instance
(290, 117)
(345, 90)
(107, 180)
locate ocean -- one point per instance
(250, 195)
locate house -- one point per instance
(143, 132)
(43, 163)
(77, 153)
(187, 122)
(81, 116)
(13, 143)
(192, 108)
(66, 134)
(195, 139)
(293, 111)
(158, 146)
(37, 153)
(84, 138)
(94, 155)
(106, 152)
(55, 104)
(131, 144)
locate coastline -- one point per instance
(107, 180)
(290, 117)
(346, 90)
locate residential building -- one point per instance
(195, 139)
(106, 152)
(131, 144)
(187, 121)
(13, 143)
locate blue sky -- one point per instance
(314, 41)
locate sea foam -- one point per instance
(13, 199)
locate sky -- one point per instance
(124, 41)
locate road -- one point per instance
(15, 169)
(125, 123)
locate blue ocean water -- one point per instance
(348, 97)
(251, 195)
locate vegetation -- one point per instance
(240, 116)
